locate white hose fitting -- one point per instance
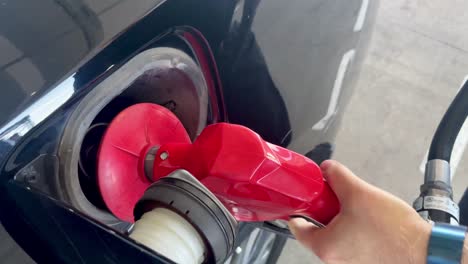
(170, 235)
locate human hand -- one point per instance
(373, 226)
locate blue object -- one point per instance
(446, 244)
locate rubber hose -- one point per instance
(447, 131)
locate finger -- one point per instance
(343, 182)
(305, 232)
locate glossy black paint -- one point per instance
(75, 238)
(284, 69)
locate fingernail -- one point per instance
(325, 165)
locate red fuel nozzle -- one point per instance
(254, 179)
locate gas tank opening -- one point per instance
(163, 76)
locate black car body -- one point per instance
(283, 68)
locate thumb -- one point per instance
(305, 232)
(342, 181)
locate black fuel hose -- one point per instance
(447, 131)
